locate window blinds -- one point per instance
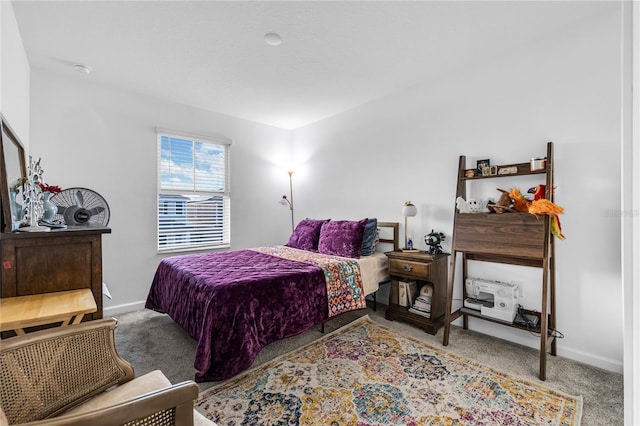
(193, 193)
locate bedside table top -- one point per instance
(419, 256)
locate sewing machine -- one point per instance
(494, 299)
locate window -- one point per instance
(193, 192)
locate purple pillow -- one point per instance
(306, 234)
(342, 238)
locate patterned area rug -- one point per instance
(367, 374)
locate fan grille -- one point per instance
(79, 206)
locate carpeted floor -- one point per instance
(365, 373)
(153, 341)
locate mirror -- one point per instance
(12, 177)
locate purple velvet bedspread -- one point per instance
(235, 303)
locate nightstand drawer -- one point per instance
(408, 268)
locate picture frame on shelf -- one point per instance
(483, 167)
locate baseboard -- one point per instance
(576, 355)
(518, 337)
(121, 309)
(590, 359)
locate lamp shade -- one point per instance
(409, 210)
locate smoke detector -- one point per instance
(272, 39)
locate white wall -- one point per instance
(565, 89)
(14, 74)
(630, 206)
(103, 139)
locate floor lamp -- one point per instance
(284, 201)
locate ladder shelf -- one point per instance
(512, 238)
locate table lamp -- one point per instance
(408, 210)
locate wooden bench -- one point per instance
(68, 307)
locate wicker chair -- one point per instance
(74, 376)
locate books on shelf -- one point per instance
(407, 292)
(412, 291)
(419, 312)
(402, 293)
(417, 300)
(422, 303)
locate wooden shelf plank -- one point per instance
(476, 314)
(523, 170)
(517, 235)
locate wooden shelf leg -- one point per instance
(449, 307)
(544, 324)
(552, 289)
(465, 274)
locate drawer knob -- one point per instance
(407, 268)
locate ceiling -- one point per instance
(334, 56)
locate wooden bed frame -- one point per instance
(393, 241)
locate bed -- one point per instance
(234, 303)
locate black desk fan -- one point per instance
(81, 206)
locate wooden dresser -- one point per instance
(44, 262)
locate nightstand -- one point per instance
(422, 268)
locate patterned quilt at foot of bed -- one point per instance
(344, 283)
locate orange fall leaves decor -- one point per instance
(538, 206)
(545, 206)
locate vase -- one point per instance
(49, 208)
(16, 208)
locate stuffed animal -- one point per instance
(503, 204)
(539, 205)
(520, 204)
(469, 206)
(539, 194)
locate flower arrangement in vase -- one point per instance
(49, 209)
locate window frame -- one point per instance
(225, 194)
